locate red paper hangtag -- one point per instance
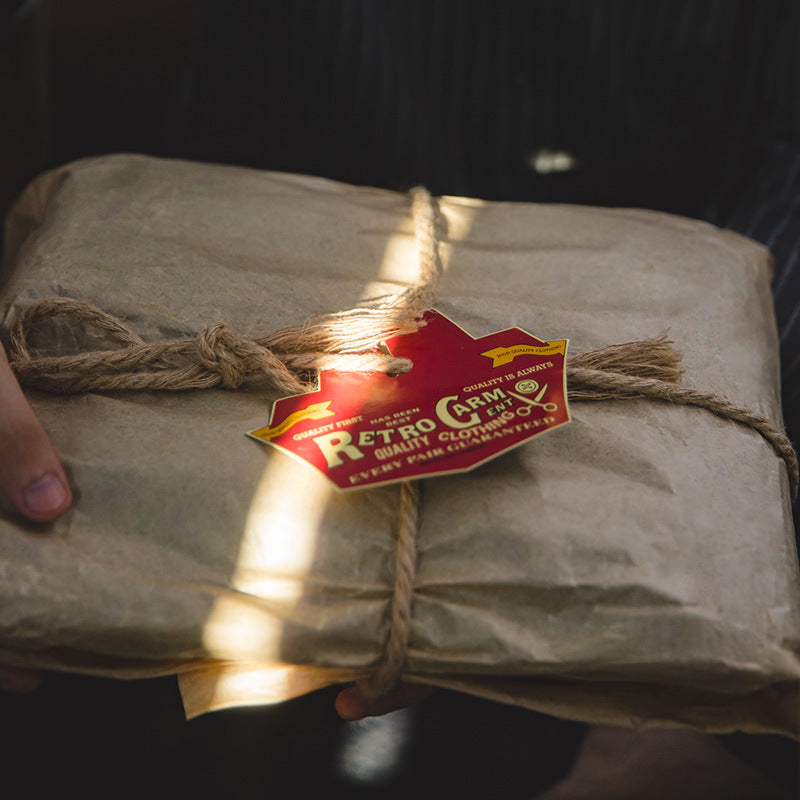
(465, 401)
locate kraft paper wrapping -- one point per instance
(636, 566)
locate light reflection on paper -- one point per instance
(276, 551)
(400, 265)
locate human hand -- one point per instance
(31, 474)
(32, 478)
(351, 704)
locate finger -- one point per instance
(13, 679)
(31, 474)
(351, 704)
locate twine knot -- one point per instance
(226, 353)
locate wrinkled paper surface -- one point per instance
(637, 566)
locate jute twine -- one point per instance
(348, 340)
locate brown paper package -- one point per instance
(636, 566)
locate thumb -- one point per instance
(31, 474)
(351, 704)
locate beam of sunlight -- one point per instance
(277, 547)
(400, 264)
(219, 686)
(275, 553)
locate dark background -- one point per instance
(665, 104)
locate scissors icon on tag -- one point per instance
(524, 411)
